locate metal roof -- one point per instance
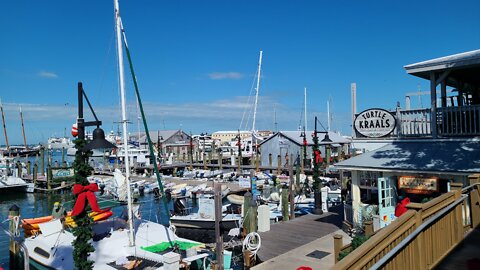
(462, 157)
(295, 136)
(463, 66)
(451, 61)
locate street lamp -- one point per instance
(317, 159)
(82, 189)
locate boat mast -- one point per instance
(256, 91)
(4, 126)
(124, 119)
(305, 101)
(23, 129)
(328, 115)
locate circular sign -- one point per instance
(374, 123)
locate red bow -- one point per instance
(85, 193)
(318, 157)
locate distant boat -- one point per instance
(58, 143)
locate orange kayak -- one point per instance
(31, 225)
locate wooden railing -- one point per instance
(421, 237)
(458, 121)
(414, 123)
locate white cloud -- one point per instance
(225, 75)
(48, 74)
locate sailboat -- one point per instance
(249, 144)
(134, 243)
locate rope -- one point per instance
(252, 243)
(16, 222)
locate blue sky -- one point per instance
(195, 60)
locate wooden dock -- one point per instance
(286, 236)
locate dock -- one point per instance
(288, 239)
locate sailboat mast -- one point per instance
(328, 115)
(23, 129)
(305, 101)
(256, 90)
(124, 119)
(4, 126)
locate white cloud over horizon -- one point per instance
(225, 75)
(48, 74)
(45, 120)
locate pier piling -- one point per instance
(14, 248)
(218, 229)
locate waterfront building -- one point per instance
(291, 144)
(417, 153)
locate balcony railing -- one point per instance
(458, 121)
(451, 122)
(415, 123)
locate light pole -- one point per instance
(82, 189)
(317, 184)
(305, 144)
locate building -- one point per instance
(290, 144)
(225, 137)
(169, 143)
(424, 150)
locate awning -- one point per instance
(452, 157)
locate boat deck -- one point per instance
(286, 236)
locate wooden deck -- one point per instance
(286, 236)
(465, 256)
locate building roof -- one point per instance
(453, 157)
(295, 136)
(154, 135)
(467, 62)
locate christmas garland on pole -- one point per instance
(83, 232)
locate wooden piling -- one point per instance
(14, 248)
(35, 170)
(291, 192)
(285, 214)
(218, 231)
(49, 177)
(220, 160)
(337, 245)
(42, 161)
(29, 167)
(270, 160)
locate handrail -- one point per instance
(468, 188)
(380, 263)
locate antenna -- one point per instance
(275, 124)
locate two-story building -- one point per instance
(424, 150)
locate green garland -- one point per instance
(83, 232)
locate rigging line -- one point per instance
(248, 102)
(105, 61)
(149, 140)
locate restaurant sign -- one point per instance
(62, 173)
(374, 123)
(420, 185)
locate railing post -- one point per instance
(337, 245)
(368, 228)
(458, 226)
(422, 263)
(475, 206)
